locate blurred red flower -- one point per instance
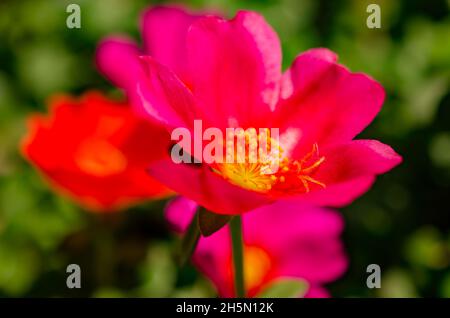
(96, 150)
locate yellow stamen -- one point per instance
(269, 171)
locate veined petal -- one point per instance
(350, 170)
(325, 101)
(235, 67)
(160, 94)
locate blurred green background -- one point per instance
(402, 224)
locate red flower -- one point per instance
(96, 151)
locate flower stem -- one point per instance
(189, 241)
(238, 257)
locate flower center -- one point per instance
(247, 175)
(270, 171)
(99, 158)
(257, 265)
(297, 176)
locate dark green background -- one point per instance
(402, 223)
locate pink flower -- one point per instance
(304, 243)
(163, 30)
(228, 74)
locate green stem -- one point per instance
(238, 257)
(189, 241)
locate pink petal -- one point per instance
(306, 70)
(282, 220)
(359, 157)
(164, 31)
(117, 59)
(316, 260)
(316, 291)
(303, 240)
(340, 194)
(350, 169)
(179, 213)
(159, 93)
(326, 102)
(235, 67)
(205, 187)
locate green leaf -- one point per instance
(285, 288)
(210, 223)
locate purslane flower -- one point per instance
(280, 241)
(96, 151)
(227, 73)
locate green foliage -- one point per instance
(285, 288)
